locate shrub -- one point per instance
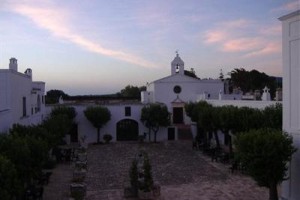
(133, 174)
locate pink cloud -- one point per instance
(270, 48)
(241, 44)
(244, 36)
(57, 22)
(215, 36)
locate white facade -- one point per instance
(291, 98)
(177, 89)
(118, 114)
(21, 99)
(174, 91)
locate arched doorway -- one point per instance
(127, 129)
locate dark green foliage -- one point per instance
(207, 118)
(52, 96)
(248, 118)
(133, 175)
(272, 116)
(10, 186)
(26, 150)
(253, 80)
(98, 116)
(265, 153)
(191, 73)
(57, 126)
(132, 92)
(107, 138)
(155, 115)
(64, 110)
(147, 184)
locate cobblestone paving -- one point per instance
(182, 172)
(58, 187)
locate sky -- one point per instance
(100, 46)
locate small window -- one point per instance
(177, 89)
(38, 102)
(24, 106)
(127, 111)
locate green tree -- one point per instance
(17, 151)
(265, 154)
(70, 112)
(154, 116)
(147, 185)
(98, 116)
(52, 96)
(57, 126)
(9, 182)
(207, 118)
(132, 91)
(134, 176)
(253, 80)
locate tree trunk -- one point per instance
(149, 134)
(217, 139)
(98, 135)
(273, 195)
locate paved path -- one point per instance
(59, 183)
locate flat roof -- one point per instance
(293, 14)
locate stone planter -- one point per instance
(145, 195)
(78, 190)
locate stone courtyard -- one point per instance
(183, 173)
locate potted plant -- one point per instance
(132, 191)
(146, 183)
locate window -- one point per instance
(177, 89)
(127, 111)
(38, 102)
(24, 107)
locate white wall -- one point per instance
(14, 86)
(291, 98)
(243, 103)
(117, 111)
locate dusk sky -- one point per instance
(100, 46)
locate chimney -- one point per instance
(13, 64)
(28, 72)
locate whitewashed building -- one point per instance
(174, 91)
(21, 99)
(178, 88)
(291, 98)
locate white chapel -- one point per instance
(179, 88)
